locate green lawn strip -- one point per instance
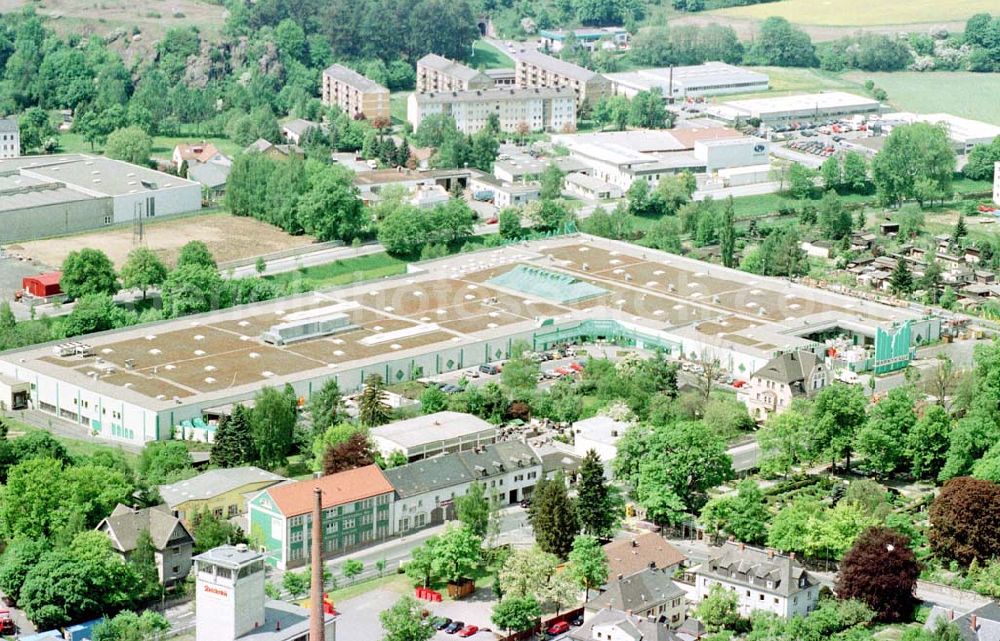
(486, 56)
(76, 448)
(341, 272)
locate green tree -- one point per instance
(91, 313)
(800, 181)
(551, 182)
(520, 375)
(784, 442)
(834, 220)
(648, 110)
(272, 423)
(404, 621)
(830, 172)
(882, 439)
(855, 172)
(719, 610)
(458, 554)
(911, 153)
(191, 289)
(209, 531)
(143, 561)
(143, 269)
(130, 144)
(509, 223)
(88, 271)
(743, 515)
(901, 280)
(516, 614)
(473, 509)
(195, 252)
(234, 445)
(21, 555)
(129, 626)
(599, 505)
(372, 408)
(164, 462)
(433, 400)
(326, 407)
(531, 572)
(727, 234)
(588, 564)
(553, 516)
(351, 568)
(331, 209)
(78, 582)
(781, 44)
(838, 413)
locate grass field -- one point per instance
(486, 56)
(343, 272)
(397, 106)
(863, 13)
(970, 95)
(163, 146)
(75, 447)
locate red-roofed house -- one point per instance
(42, 285)
(204, 152)
(357, 511)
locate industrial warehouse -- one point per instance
(708, 79)
(812, 107)
(43, 196)
(141, 384)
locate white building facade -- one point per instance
(10, 138)
(537, 109)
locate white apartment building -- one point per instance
(763, 579)
(426, 490)
(437, 73)
(10, 138)
(537, 109)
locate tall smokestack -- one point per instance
(317, 618)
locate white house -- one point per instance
(601, 434)
(764, 580)
(426, 490)
(10, 138)
(772, 388)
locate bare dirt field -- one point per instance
(228, 238)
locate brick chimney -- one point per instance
(317, 618)
(974, 623)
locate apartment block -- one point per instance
(10, 138)
(356, 95)
(536, 69)
(536, 109)
(436, 73)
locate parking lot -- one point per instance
(360, 614)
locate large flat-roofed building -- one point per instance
(356, 95)
(10, 138)
(622, 157)
(44, 196)
(589, 38)
(431, 434)
(536, 69)
(811, 107)
(437, 73)
(963, 133)
(708, 79)
(536, 108)
(139, 383)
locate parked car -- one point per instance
(440, 623)
(557, 628)
(454, 627)
(577, 621)
(487, 368)
(469, 631)
(7, 625)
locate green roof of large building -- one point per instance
(546, 284)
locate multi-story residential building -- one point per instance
(426, 490)
(356, 95)
(172, 542)
(222, 492)
(764, 580)
(535, 109)
(437, 73)
(536, 69)
(649, 593)
(357, 511)
(791, 375)
(10, 138)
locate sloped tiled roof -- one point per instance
(789, 368)
(627, 557)
(635, 627)
(639, 591)
(214, 483)
(448, 470)
(741, 564)
(986, 620)
(344, 487)
(125, 524)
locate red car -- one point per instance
(7, 625)
(739, 383)
(560, 627)
(492, 221)
(468, 631)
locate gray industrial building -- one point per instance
(42, 196)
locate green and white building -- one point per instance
(357, 511)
